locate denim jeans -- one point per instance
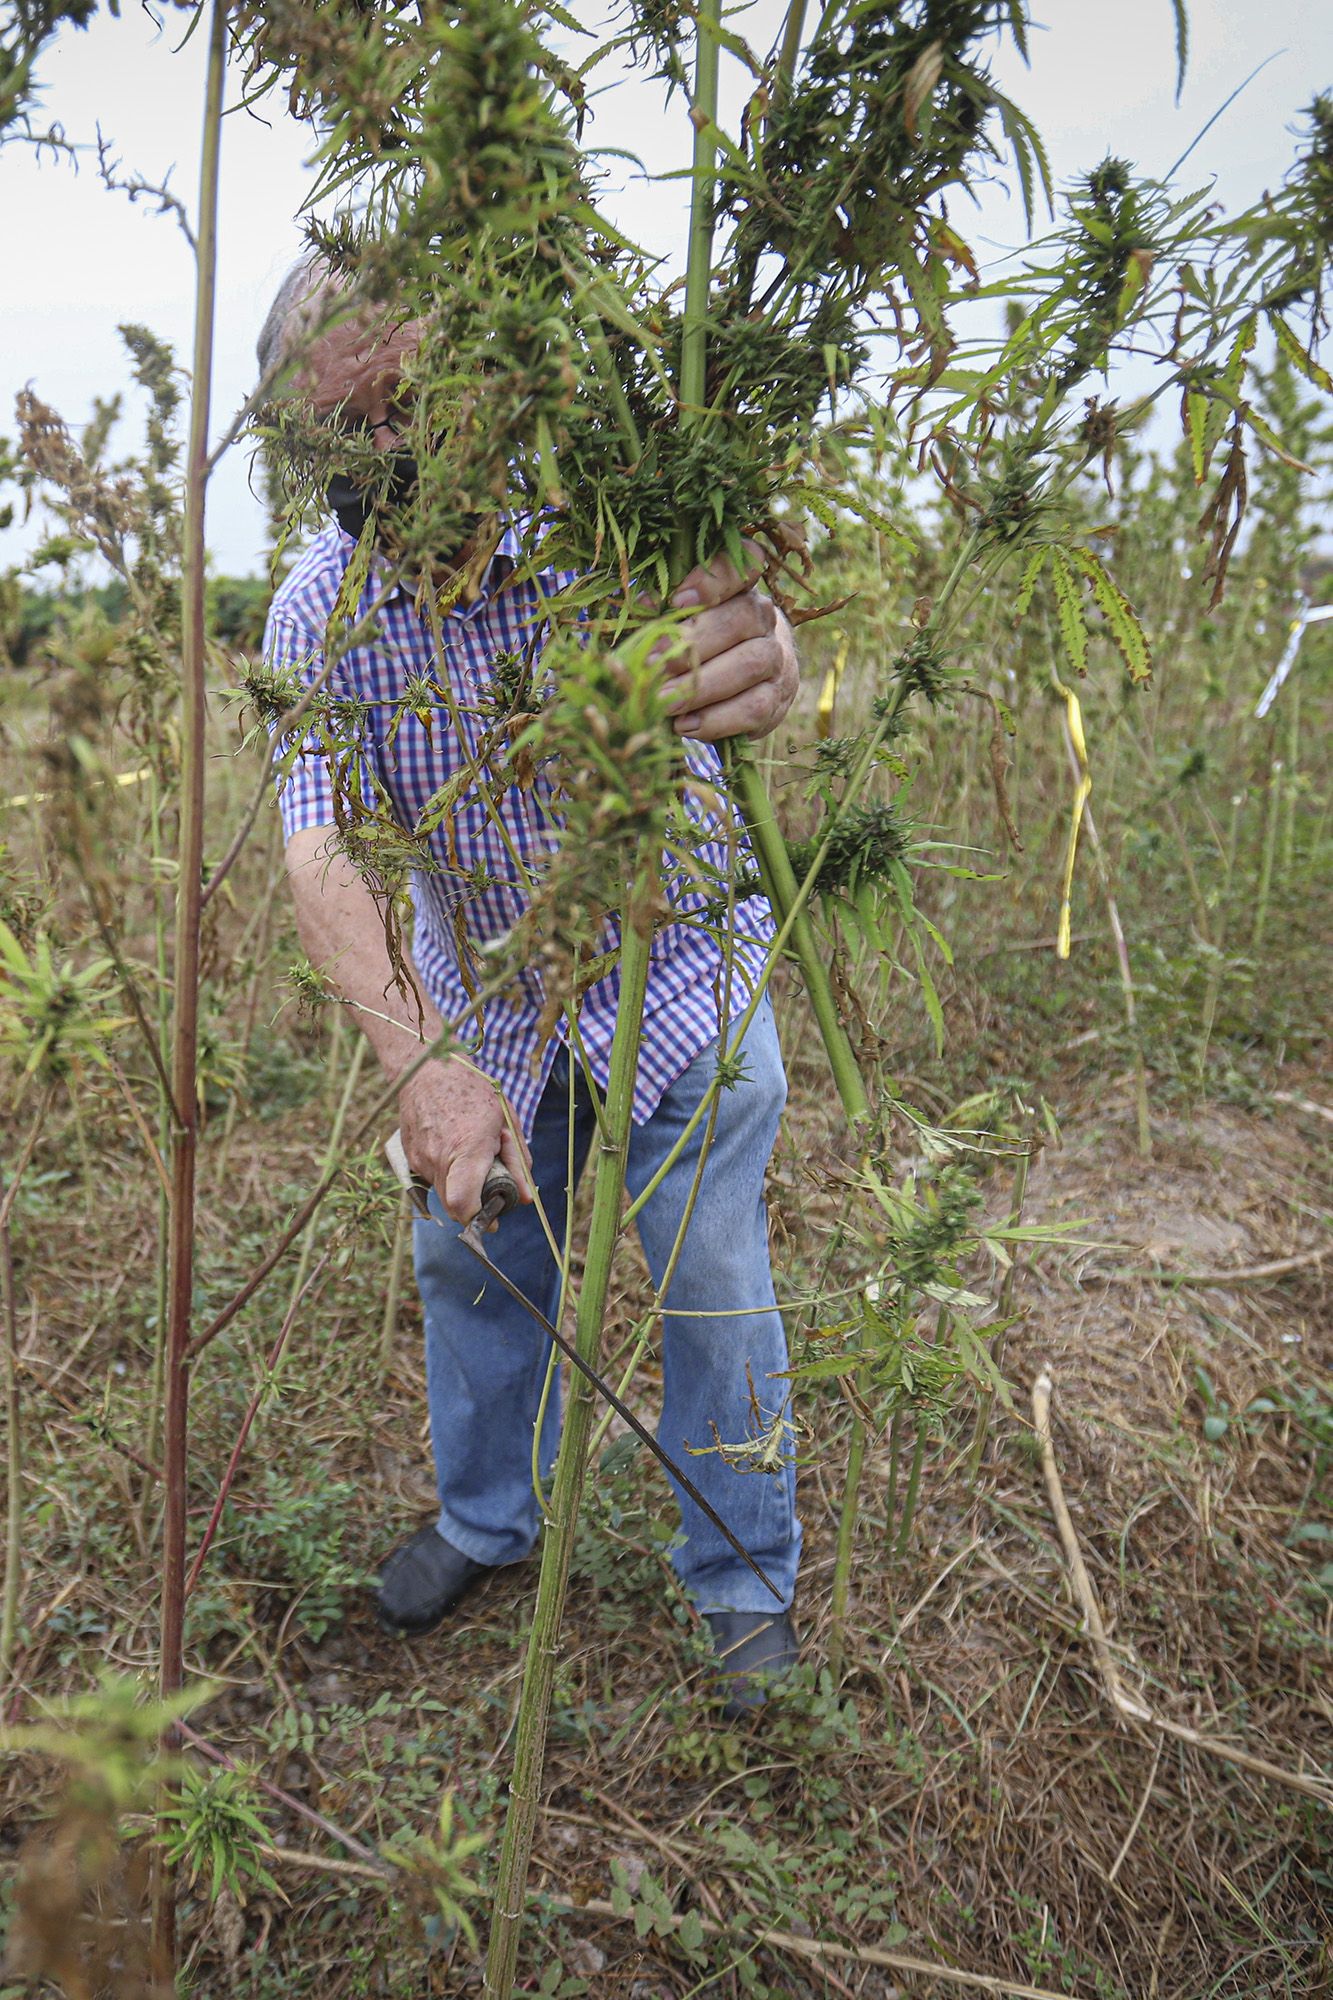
(486, 1357)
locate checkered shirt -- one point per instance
(473, 883)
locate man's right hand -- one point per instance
(454, 1128)
(453, 1120)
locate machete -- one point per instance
(500, 1194)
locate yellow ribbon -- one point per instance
(828, 694)
(40, 798)
(1082, 789)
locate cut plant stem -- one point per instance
(185, 1008)
(562, 1517)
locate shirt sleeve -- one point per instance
(304, 781)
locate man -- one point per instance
(511, 1096)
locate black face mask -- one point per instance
(351, 506)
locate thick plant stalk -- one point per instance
(842, 1561)
(699, 261)
(185, 1009)
(562, 1520)
(164, 1132)
(770, 849)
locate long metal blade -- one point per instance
(623, 1410)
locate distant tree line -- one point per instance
(30, 618)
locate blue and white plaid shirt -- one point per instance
(474, 886)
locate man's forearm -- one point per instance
(342, 933)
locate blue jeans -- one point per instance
(486, 1358)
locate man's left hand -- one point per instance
(732, 671)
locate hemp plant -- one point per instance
(636, 430)
(632, 430)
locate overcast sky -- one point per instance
(80, 259)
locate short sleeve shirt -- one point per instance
(471, 893)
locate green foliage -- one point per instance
(548, 377)
(623, 1537)
(292, 1537)
(30, 26)
(109, 1741)
(53, 1014)
(438, 1862)
(215, 1833)
(606, 732)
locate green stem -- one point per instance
(394, 1290)
(788, 918)
(1004, 1314)
(331, 1152)
(842, 1560)
(1275, 789)
(918, 1457)
(1218, 966)
(791, 47)
(699, 259)
(334, 1060)
(186, 964)
(895, 1459)
(544, 1637)
(782, 889)
(913, 1488)
(1292, 786)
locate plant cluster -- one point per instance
(556, 377)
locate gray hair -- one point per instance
(290, 313)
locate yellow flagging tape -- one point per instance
(40, 798)
(828, 694)
(1081, 793)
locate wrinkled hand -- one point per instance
(732, 669)
(454, 1127)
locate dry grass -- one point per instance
(971, 1768)
(969, 1782)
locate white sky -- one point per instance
(79, 259)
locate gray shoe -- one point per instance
(422, 1581)
(754, 1649)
